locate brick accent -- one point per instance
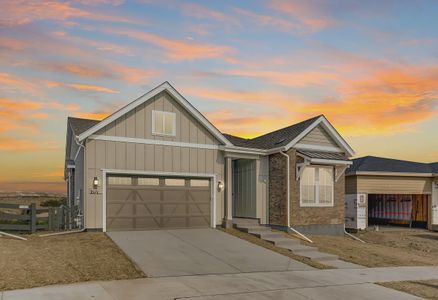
(300, 216)
(277, 190)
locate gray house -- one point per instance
(159, 163)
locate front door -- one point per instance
(244, 188)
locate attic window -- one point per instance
(163, 123)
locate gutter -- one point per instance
(289, 227)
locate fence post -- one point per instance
(51, 213)
(32, 221)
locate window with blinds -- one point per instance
(317, 186)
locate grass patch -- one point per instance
(426, 289)
(62, 259)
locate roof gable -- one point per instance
(148, 96)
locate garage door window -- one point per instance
(175, 182)
(199, 183)
(119, 180)
(148, 181)
(316, 186)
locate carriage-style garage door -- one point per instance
(141, 203)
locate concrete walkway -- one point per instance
(314, 284)
(198, 252)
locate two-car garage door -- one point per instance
(141, 203)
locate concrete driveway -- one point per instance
(161, 253)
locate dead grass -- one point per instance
(384, 248)
(253, 239)
(426, 289)
(62, 259)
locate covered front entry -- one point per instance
(153, 202)
(244, 188)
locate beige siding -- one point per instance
(101, 154)
(318, 136)
(392, 185)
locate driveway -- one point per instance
(179, 252)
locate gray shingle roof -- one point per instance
(275, 139)
(381, 164)
(323, 155)
(80, 125)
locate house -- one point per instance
(395, 191)
(159, 163)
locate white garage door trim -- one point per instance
(106, 172)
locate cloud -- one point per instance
(9, 82)
(177, 50)
(311, 15)
(20, 12)
(81, 87)
(26, 145)
(202, 12)
(267, 20)
(97, 115)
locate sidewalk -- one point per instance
(314, 284)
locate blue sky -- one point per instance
(249, 66)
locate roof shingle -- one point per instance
(80, 125)
(382, 164)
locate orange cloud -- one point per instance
(81, 87)
(19, 12)
(266, 20)
(177, 49)
(10, 82)
(99, 115)
(17, 144)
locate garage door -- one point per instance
(141, 203)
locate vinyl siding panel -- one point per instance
(393, 185)
(318, 136)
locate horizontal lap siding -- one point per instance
(393, 185)
(142, 157)
(318, 136)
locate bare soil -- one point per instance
(62, 259)
(384, 248)
(426, 289)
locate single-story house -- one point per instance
(392, 191)
(159, 163)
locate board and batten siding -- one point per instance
(103, 154)
(318, 136)
(374, 184)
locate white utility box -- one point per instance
(356, 211)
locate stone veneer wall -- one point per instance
(315, 217)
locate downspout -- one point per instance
(288, 199)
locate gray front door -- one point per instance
(141, 203)
(244, 188)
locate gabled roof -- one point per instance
(165, 86)
(80, 125)
(289, 136)
(382, 164)
(323, 155)
(275, 139)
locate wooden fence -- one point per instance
(30, 218)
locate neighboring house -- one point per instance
(395, 191)
(159, 163)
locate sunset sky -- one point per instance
(371, 67)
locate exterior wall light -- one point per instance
(95, 182)
(220, 186)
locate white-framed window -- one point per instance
(317, 186)
(163, 123)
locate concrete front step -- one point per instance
(246, 222)
(317, 256)
(250, 229)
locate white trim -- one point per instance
(330, 129)
(316, 187)
(164, 113)
(320, 148)
(330, 161)
(213, 178)
(377, 173)
(152, 142)
(165, 86)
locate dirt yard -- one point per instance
(384, 248)
(62, 259)
(425, 289)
